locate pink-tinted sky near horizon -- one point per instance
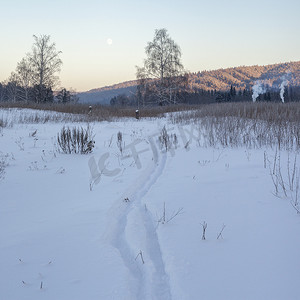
(103, 41)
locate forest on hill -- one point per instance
(244, 77)
(230, 84)
(222, 79)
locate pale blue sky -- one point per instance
(212, 34)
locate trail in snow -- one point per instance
(160, 280)
(146, 282)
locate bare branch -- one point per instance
(220, 234)
(204, 226)
(141, 255)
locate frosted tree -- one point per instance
(24, 74)
(162, 74)
(12, 88)
(45, 63)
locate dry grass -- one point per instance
(100, 112)
(270, 112)
(254, 125)
(76, 140)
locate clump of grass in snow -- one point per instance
(76, 140)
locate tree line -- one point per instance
(35, 77)
(201, 96)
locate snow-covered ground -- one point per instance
(66, 235)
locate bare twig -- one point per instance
(291, 175)
(295, 207)
(220, 234)
(141, 255)
(279, 174)
(176, 213)
(204, 226)
(274, 163)
(164, 218)
(164, 214)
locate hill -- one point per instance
(245, 77)
(239, 77)
(104, 94)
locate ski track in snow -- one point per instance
(145, 282)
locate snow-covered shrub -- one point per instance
(76, 140)
(164, 139)
(167, 141)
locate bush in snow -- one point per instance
(164, 139)
(76, 140)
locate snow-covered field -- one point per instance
(65, 235)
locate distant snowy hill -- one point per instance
(245, 77)
(221, 79)
(104, 95)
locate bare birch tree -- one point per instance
(163, 72)
(45, 63)
(25, 74)
(12, 87)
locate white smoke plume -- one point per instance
(257, 89)
(283, 84)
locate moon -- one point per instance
(109, 41)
